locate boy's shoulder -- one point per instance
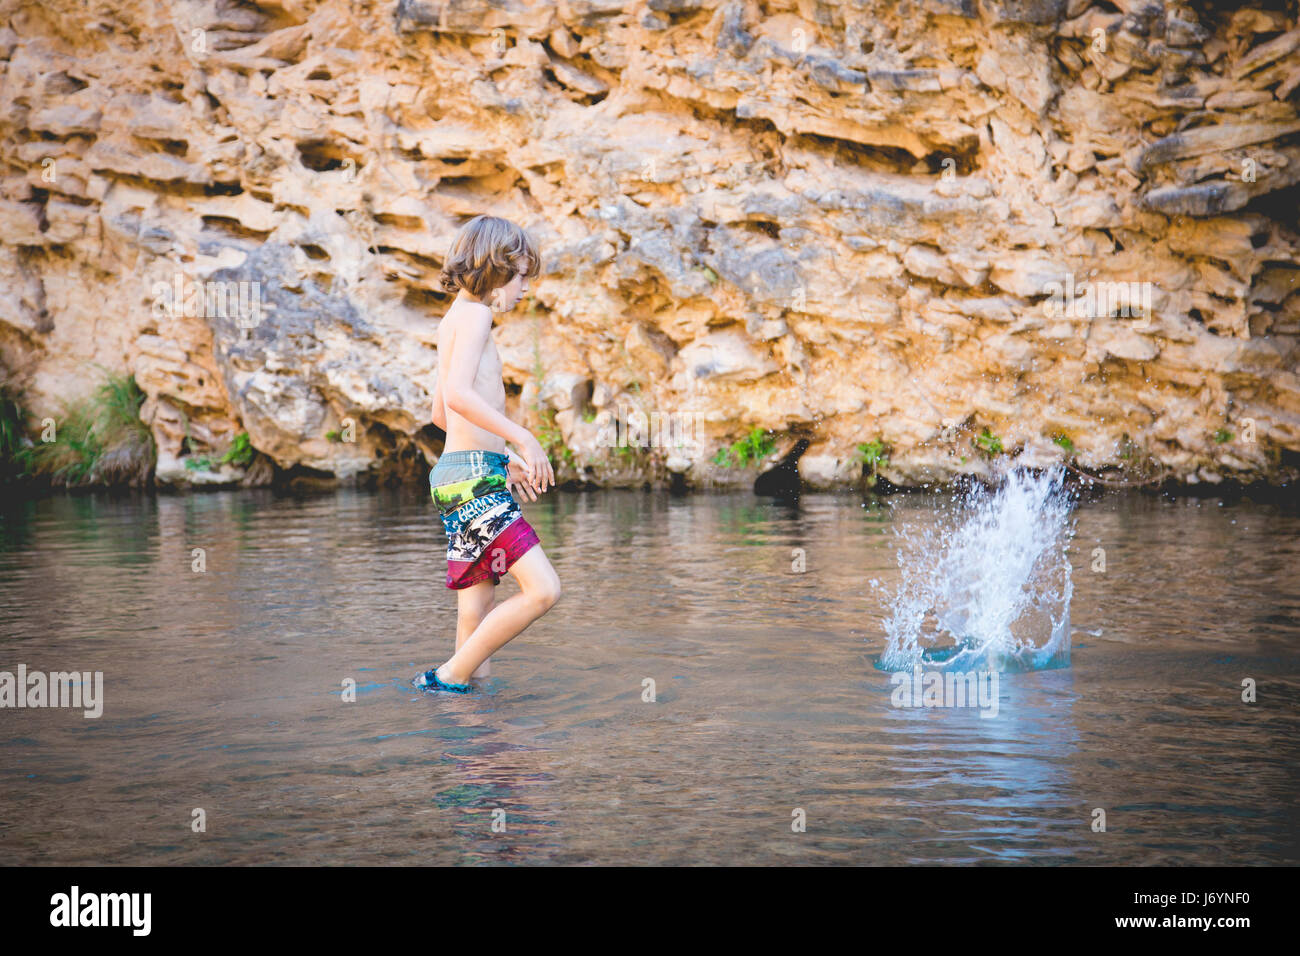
(465, 313)
(462, 316)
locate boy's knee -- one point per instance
(548, 594)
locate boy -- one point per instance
(488, 267)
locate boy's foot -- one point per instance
(430, 680)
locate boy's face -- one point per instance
(507, 297)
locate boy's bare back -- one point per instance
(462, 434)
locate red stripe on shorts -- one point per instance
(514, 541)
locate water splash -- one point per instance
(988, 586)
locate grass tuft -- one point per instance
(15, 446)
(874, 455)
(99, 439)
(755, 446)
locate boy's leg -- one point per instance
(472, 605)
(539, 589)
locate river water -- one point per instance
(772, 737)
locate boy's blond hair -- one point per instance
(486, 254)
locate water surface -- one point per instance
(223, 690)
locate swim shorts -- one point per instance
(486, 531)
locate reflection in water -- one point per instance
(755, 622)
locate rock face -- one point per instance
(842, 222)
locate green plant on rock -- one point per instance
(15, 446)
(549, 434)
(70, 459)
(1063, 442)
(1222, 436)
(875, 456)
(99, 439)
(240, 453)
(552, 439)
(989, 443)
(755, 446)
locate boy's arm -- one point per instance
(459, 393)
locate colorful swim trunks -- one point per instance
(486, 531)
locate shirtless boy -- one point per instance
(490, 263)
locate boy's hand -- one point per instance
(517, 481)
(537, 467)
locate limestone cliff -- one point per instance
(937, 225)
